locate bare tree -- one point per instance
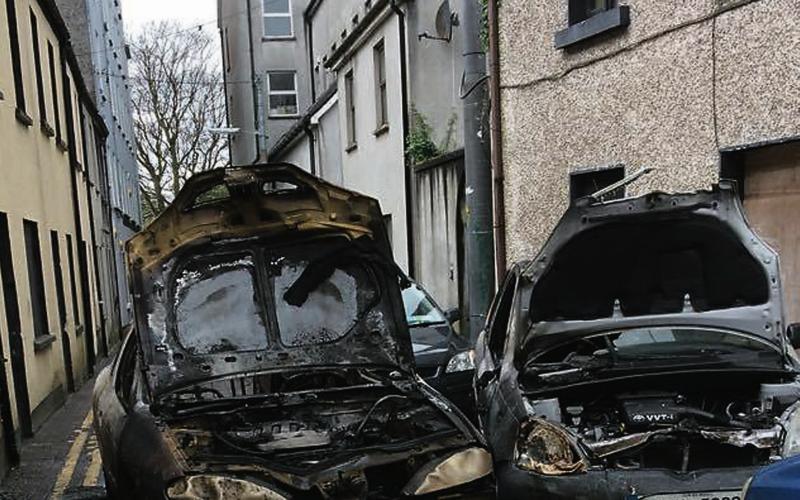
(177, 94)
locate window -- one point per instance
(589, 18)
(51, 62)
(350, 110)
(581, 10)
(278, 19)
(33, 253)
(499, 316)
(16, 62)
(37, 62)
(282, 88)
(381, 110)
(217, 307)
(322, 309)
(583, 183)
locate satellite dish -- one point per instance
(445, 20)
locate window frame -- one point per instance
(16, 63)
(350, 111)
(381, 94)
(265, 15)
(582, 27)
(271, 92)
(37, 288)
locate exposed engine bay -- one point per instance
(303, 437)
(681, 423)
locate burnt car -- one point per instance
(642, 354)
(444, 358)
(270, 356)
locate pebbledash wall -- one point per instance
(696, 89)
(53, 221)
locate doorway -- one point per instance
(769, 180)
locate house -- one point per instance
(98, 37)
(378, 87)
(592, 91)
(53, 221)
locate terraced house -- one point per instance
(54, 222)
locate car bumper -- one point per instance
(457, 388)
(513, 482)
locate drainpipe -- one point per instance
(498, 178)
(253, 81)
(401, 22)
(224, 43)
(477, 173)
(310, 50)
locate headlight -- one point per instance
(220, 488)
(546, 448)
(746, 488)
(791, 422)
(461, 362)
(461, 467)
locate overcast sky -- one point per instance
(136, 13)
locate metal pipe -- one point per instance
(498, 177)
(401, 21)
(254, 82)
(478, 175)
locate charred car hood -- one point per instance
(659, 259)
(248, 208)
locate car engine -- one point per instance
(680, 425)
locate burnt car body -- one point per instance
(641, 354)
(444, 358)
(270, 357)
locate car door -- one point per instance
(490, 345)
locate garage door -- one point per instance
(772, 203)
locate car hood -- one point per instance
(658, 259)
(276, 203)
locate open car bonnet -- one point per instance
(659, 259)
(265, 268)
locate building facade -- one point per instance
(98, 38)
(592, 91)
(265, 70)
(379, 112)
(53, 215)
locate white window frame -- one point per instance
(265, 15)
(271, 92)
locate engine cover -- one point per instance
(651, 411)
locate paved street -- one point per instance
(62, 460)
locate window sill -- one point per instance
(283, 117)
(618, 17)
(47, 129)
(290, 38)
(23, 118)
(43, 342)
(381, 130)
(61, 145)
(351, 147)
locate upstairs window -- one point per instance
(278, 19)
(381, 107)
(282, 89)
(586, 19)
(581, 10)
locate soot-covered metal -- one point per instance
(270, 356)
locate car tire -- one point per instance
(111, 490)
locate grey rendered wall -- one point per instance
(434, 72)
(684, 81)
(236, 42)
(283, 55)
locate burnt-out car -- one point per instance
(444, 358)
(642, 354)
(270, 356)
